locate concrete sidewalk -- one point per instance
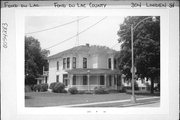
(155, 104)
(146, 102)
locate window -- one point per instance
(64, 63)
(68, 62)
(57, 78)
(74, 80)
(57, 65)
(65, 79)
(84, 80)
(115, 63)
(101, 80)
(110, 80)
(115, 80)
(109, 63)
(74, 62)
(84, 62)
(46, 79)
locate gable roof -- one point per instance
(84, 49)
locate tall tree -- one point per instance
(35, 59)
(146, 47)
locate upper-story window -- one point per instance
(57, 65)
(64, 63)
(68, 62)
(109, 63)
(74, 62)
(115, 63)
(84, 62)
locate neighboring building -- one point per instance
(143, 84)
(85, 67)
(43, 78)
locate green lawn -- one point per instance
(44, 99)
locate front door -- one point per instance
(65, 79)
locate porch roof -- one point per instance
(92, 71)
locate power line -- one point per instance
(76, 34)
(56, 26)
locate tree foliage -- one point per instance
(35, 59)
(146, 46)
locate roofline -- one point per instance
(56, 55)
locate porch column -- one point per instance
(105, 76)
(112, 63)
(88, 76)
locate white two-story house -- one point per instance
(85, 67)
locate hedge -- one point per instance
(73, 90)
(100, 90)
(41, 87)
(58, 87)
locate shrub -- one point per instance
(37, 87)
(136, 87)
(43, 87)
(148, 87)
(58, 87)
(73, 90)
(28, 88)
(88, 92)
(52, 85)
(64, 91)
(128, 88)
(100, 90)
(81, 92)
(122, 89)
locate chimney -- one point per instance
(87, 44)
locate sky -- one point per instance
(103, 33)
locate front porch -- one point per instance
(89, 79)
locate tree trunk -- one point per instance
(152, 85)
